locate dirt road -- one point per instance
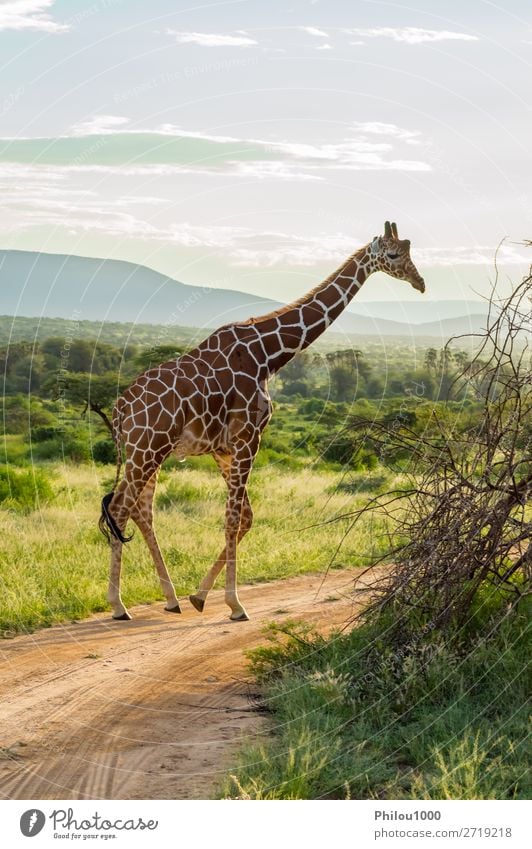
(152, 708)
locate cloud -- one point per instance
(29, 14)
(507, 254)
(100, 125)
(411, 35)
(211, 39)
(108, 141)
(357, 152)
(55, 199)
(314, 31)
(379, 128)
(271, 171)
(325, 46)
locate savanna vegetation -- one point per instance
(429, 696)
(58, 459)
(384, 456)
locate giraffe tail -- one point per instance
(107, 523)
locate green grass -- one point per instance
(54, 562)
(455, 728)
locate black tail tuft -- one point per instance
(107, 524)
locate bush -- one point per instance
(344, 450)
(104, 451)
(65, 447)
(296, 387)
(362, 483)
(442, 720)
(24, 490)
(43, 433)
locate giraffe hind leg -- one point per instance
(142, 515)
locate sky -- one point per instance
(254, 146)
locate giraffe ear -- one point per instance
(375, 245)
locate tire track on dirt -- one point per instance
(153, 708)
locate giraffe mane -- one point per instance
(297, 303)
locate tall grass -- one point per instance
(450, 727)
(54, 562)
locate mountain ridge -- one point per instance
(95, 289)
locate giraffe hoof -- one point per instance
(239, 617)
(175, 609)
(197, 602)
(124, 617)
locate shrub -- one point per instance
(352, 719)
(24, 490)
(42, 433)
(63, 447)
(104, 451)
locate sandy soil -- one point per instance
(152, 708)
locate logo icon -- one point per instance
(32, 822)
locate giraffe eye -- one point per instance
(392, 256)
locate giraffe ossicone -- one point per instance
(214, 400)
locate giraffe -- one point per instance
(214, 400)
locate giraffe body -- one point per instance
(214, 400)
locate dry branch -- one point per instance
(462, 529)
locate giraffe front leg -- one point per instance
(238, 612)
(236, 501)
(223, 461)
(199, 598)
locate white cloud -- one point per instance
(369, 146)
(379, 128)
(53, 198)
(412, 35)
(29, 14)
(353, 154)
(246, 247)
(264, 170)
(173, 130)
(325, 46)
(211, 39)
(100, 125)
(507, 254)
(315, 31)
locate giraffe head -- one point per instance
(392, 255)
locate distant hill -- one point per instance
(420, 311)
(93, 290)
(55, 285)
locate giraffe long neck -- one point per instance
(298, 325)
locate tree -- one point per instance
(158, 354)
(347, 369)
(343, 383)
(462, 519)
(431, 359)
(97, 393)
